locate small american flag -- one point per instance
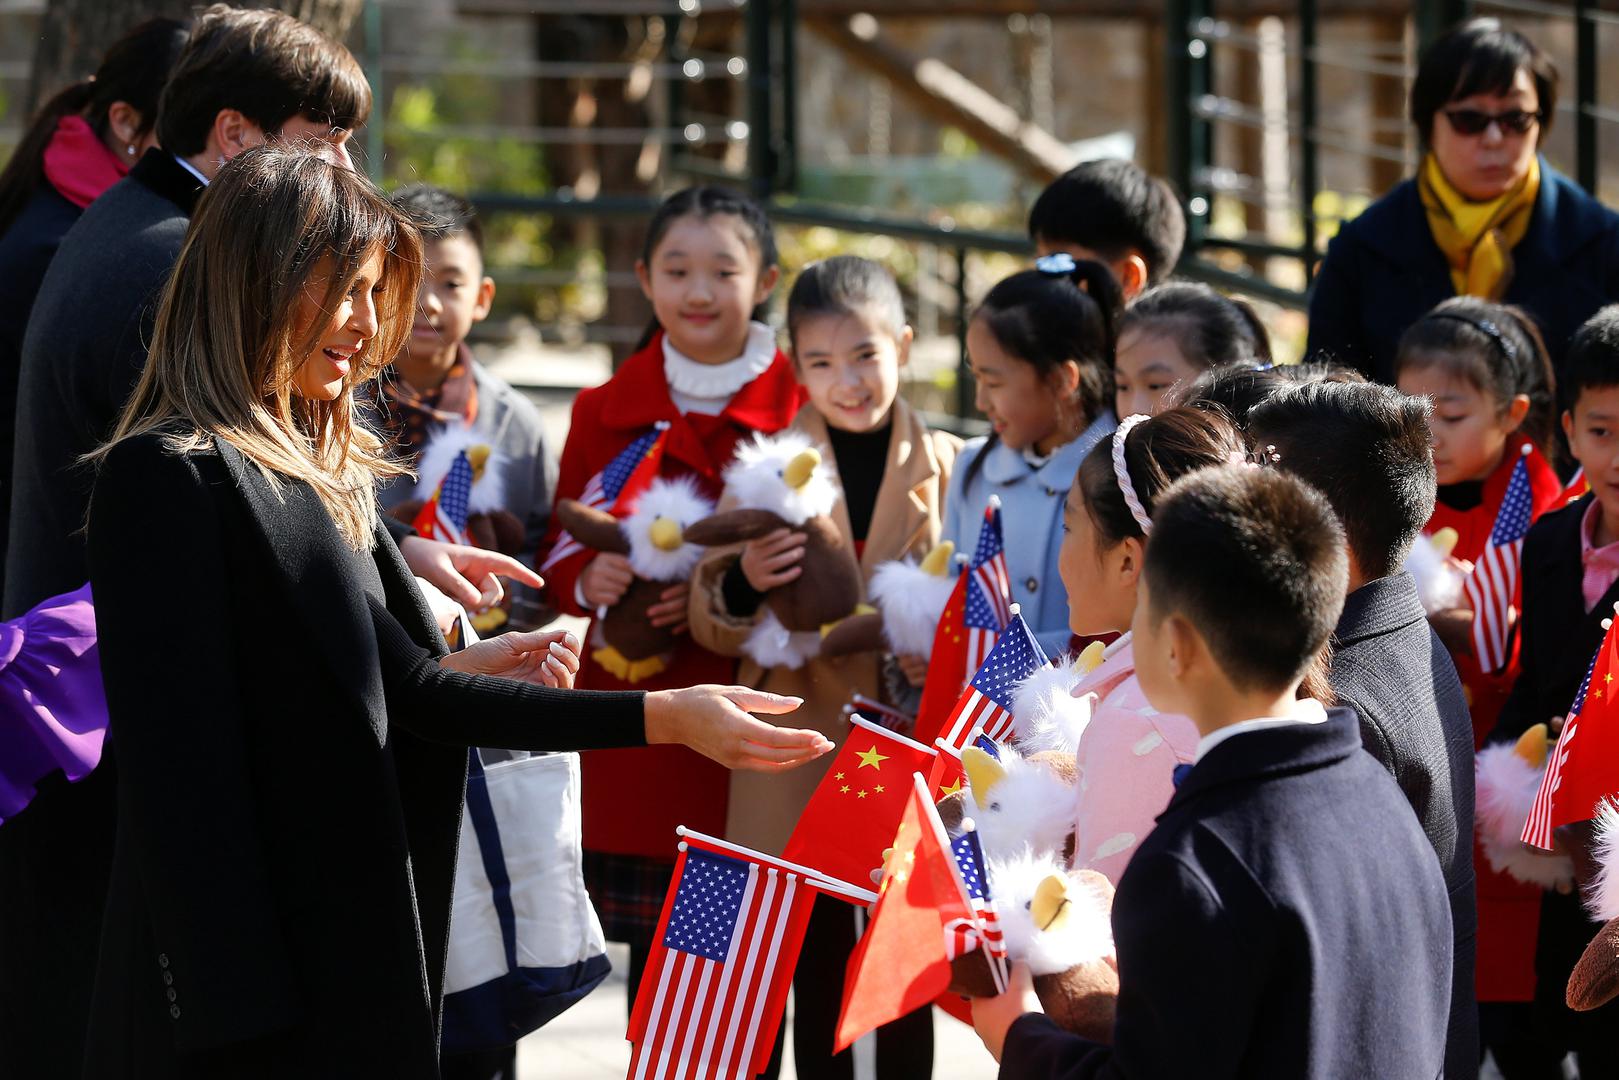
(987, 700)
(444, 516)
(987, 933)
(989, 590)
(1537, 830)
(639, 460)
(716, 983)
(1493, 584)
(886, 715)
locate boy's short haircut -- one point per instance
(1592, 359)
(440, 214)
(1255, 560)
(1366, 447)
(268, 66)
(1113, 208)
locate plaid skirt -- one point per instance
(628, 891)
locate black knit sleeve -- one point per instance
(477, 710)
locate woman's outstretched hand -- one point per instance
(541, 657)
(714, 721)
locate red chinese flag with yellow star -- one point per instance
(852, 815)
(947, 666)
(900, 963)
(1583, 768)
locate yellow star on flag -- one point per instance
(879, 789)
(870, 757)
(839, 776)
(861, 794)
(952, 789)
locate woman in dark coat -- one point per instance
(1485, 215)
(290, 783)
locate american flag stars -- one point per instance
(704, 915)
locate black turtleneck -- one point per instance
(1462, 496)
(861, 458)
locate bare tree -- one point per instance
(73, 34)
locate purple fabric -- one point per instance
(53, 711)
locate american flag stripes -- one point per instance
(1537, 831)
(715, 987)
(444, 517)
(889, 717)
(1493, 584)
(987, 700)
(1583, 768)
(987, 933)
(625, 477)
(989, 590)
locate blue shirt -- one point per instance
(1031, 519)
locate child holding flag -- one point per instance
(849, 339)
(437, 403)
(1570, 584)
(1485, 367)
(1041, 345)
(707, 377)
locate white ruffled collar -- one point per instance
(687, 376)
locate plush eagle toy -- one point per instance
(653, 537)
(779, 482)
(910, 599)
(1595, 979)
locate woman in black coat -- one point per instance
(1485, 216)
(290, 781)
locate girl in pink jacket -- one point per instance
(1128, 753)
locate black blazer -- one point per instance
(84, 350)
(26, 250)
(291, 763)
(1557, 638)
(1383, 271)
(1285, 919)
(1391, 668)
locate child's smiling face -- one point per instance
(1022, 407)
(849, 365)
(1592, 427)
(454, 294)
(704, 280)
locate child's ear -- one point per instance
(767, 284)
(644, 276)
(486, 299)
(1131, 553)
(1517, 410)
(1065, 379)
(902, 345)
(1183, 644)
(1132, 274)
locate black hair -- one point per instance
(843, 285)
(704, 202)
(1479, 56)
(1113, 208)
(1254, 560)
(1592, 359)
(1156, 453)
(266, 65)
(1233, 390)
(1497, 348)
(1366, 447)
(440, 214)
(133, 71)
(1209, 328)
(1048, 318)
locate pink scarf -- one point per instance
(78, 164)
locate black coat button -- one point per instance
(172, 995)
(1031, 585)
(168, 978)
(163, 960)
(174, 1011)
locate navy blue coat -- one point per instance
(1286, 918)
(1383, 271)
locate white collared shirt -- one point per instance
(707, 388)
(192, 169)
(1307, 711)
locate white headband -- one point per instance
(1122, 472)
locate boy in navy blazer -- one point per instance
(1287, 917)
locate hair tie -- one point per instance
(1121, 472)
(1057, 264)
(1483, 326)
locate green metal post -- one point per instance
(1309, 114)
(1434, 17)
(374, 128)
(787, 162)
(761, 72)
(964, 372)
(1585, 95)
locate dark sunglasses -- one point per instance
(1474, 122)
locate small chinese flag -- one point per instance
(852, 815)
(1584, 767)
(900, 963)
(948, 776)
(947, 666)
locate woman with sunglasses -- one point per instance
(1485, 216)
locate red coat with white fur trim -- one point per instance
(634, 799)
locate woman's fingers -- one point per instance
(757, 701)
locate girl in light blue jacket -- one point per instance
(1041, 349)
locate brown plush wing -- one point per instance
(596, 529)
(732, 526)
(1595, 979)
(856, 634)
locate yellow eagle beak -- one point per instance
(478, 456)
(801, 468)
(1049, 908)
(1533, 745)
(666, 534)
(1444, 541)
(937, 561)
(983, 773)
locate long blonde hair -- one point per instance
(227, 345)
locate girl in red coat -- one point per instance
(1486, 369)
(714, 375)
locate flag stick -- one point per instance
(831, 884)
(877, 729)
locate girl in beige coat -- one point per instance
(849, 338)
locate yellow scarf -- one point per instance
(1477, 237)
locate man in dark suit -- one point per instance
(1286, 917)
(1366, 447)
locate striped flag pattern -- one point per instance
(1493, 584)
(1583, 768)
(716, 984)
(987, 934)
(987, 701)
(989, 590)
(444, 516)
(625, 477)
(886, 715)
